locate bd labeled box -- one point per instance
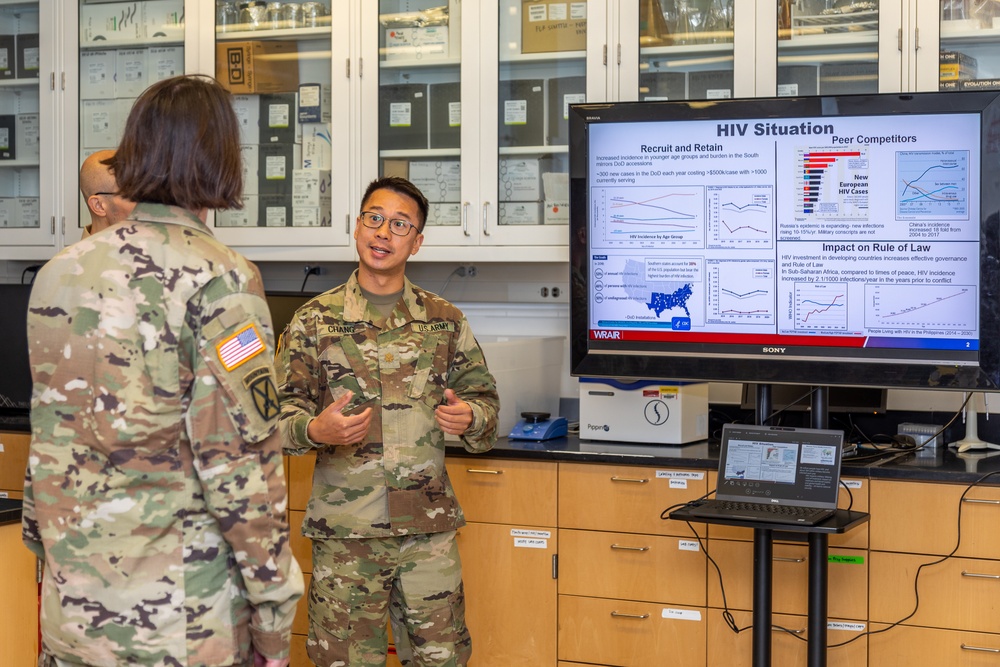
(403, 116)
(130, 72)
(278, 118)
(27, 56)
(257, 66)
(553, 25)
(314, 103)
(440, 181)
(521, 114)
(646, 411)
(97, 75)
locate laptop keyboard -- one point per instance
(763, 509)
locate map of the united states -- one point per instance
(657, 296)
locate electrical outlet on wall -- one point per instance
(538, 292)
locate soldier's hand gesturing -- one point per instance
(333, 427)
(454, 416)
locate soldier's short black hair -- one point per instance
(400, 186)
(181, 146)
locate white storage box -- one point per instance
(528, 371)
(647, 411)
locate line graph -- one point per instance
(820, 306)
(927, 308)
(668, 215)
(740, 216)
(932, 184)
(741, 291)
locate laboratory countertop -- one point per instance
(10, 511)
(940, 465)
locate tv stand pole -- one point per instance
(821, 407)
(971, 439)
(763, 404)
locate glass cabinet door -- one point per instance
(686, 49)
(421, 119)
(541, 69)
(124, 48)
(24, 219)
(827, 47)
(969, 53)
(276, 58)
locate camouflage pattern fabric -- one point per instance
(355, 581)
(155, 490)
(394, 482)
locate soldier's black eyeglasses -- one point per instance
(397, 226)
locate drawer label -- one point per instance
(678, 484)
(688, 545)
(681, 614)
(840, 558)
(521, 532)
(851, 627)
(679, 474)
(853, 483)
(530, 543)
(3, 494)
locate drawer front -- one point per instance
(299, 473)
(626, 633)
(960, 593)
(13, 460)
(901, 512)
(300, 624)
(505, 490)
(632, 567)
(905, 646)
(728, 649)
(847, 575)
(301, 545)
(856, 538)
(626, 498)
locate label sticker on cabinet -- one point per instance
(840, 558)
(679, 474)
(688, 545)
(850, 627)
(3, 494)
(682, 614)
(530, 543)
(678, 484)
(852, 483)
(522, 532)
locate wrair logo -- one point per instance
(598, 427)
(608, 334)
(774, 350)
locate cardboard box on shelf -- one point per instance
(553, 25)
(446, 214)
(274, 173)
(402, 113)
(97, 75)
(98, 123)
(311, 216)
(521, 112)
(662, 86)
(845, 79)
(311, 188)
(164, 62)
(27, 56)
(439, 180)
(519, 213)
(396, 167)
(29, 211)
(250, 155)
(241, 217)
(26, 136)
(278, 118)
(420, 43)
(111, 22)
(163, 19)
(711, 84)
(257, 66)
(275, 211)
(555, 187)
(247, 108)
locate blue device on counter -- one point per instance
(538, 426)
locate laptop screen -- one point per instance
(780, 465)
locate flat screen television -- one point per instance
(15, 371)
(839, 240)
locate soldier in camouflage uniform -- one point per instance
(372, 375)
(155, 490)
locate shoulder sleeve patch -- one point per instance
(242, 346)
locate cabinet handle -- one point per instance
(976, 575)
(788, 560)
(631, 480)
(966, 647)
(981, 501)
(465, 219)
(639, 617)
(775, 628)
(486, 216)
(480, 471)
(625, 548)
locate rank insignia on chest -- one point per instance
(389, 360)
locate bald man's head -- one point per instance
(100, 191)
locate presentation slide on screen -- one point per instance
(844, 226)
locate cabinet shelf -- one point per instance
(421, 153)
(533, 150)
(19, 164)
(129, 44)
(970, 35)
(411, 63)
(282, 33)
(554, 56)
(20, 83)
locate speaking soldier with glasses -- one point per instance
(372, 375)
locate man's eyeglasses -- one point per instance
(109, 194)
(397, 227)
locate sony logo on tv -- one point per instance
(773, 350)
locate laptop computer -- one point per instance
(776, 474)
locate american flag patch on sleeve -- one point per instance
(240, 347)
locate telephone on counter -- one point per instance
(538, 426)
